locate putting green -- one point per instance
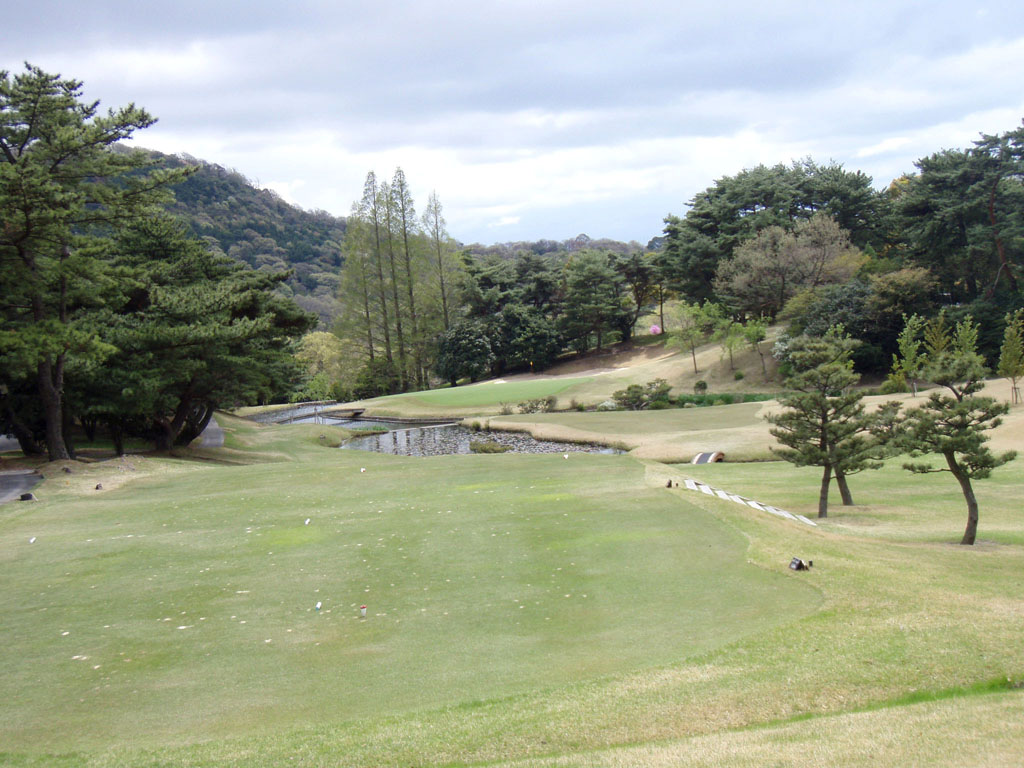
(162, 612)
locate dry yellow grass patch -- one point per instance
(971, 731)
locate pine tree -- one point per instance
(908, 362)
(953, 425)
(824, 424)
(1011, 355)
(62, 192)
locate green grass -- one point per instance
(616, 423)
(695, 644)
(163, 611)
(491, 393)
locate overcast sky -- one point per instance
(537, 119)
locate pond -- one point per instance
(447, 439)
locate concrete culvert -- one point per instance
(710, 457)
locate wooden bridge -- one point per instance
(327, 412)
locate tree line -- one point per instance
(112, 312)
(420, 308)
(807, 244)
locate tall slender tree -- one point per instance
(406, 221)
(368, 209)
(434, 224)
(390, 232)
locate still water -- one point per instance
(447, 439)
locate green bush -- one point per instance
(638, 397)
(738, 375)
(486, 446)
(700, 387)
(894, 384)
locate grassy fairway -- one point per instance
(487, 396)
(670, 435)
(673, 633)
(165, 611)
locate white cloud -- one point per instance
(541, 119)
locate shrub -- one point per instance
(895, 383)
(486, 446)
(700, 387)
(738, 375)
(506, 409)
(539, 405)
(638, 397)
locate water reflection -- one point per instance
(450, 439)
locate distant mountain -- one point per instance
(258, 227)
(556, 247)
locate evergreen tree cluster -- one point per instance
(112, 313)
(818, 245)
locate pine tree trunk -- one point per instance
(67, 424)
(844, 489)
(50, 382)
(26, 440)
(971, 531)
(116, 435)
(1004, 265)
(169, 429)
(826, 479)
